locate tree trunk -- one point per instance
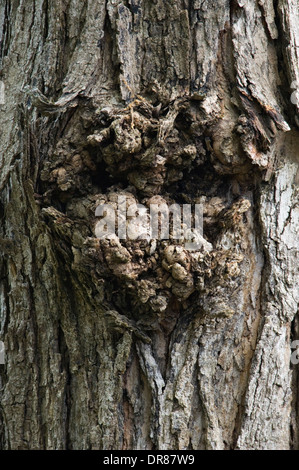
(144, 344)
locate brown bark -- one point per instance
(112, 344)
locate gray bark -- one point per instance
(109, 344)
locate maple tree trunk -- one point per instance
(119, 344)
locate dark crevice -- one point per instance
(6, 31)
(101, 178)
(46, 21)
(31, 27)
(281, 47)
(36, 340)
(294, 432)
(35, 327)
(3, 368)
(65, 368)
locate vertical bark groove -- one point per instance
(126, 344)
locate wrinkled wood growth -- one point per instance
(113, 344)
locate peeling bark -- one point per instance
(126, 344)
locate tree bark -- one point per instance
(122, 344)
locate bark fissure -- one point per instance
(140, 343)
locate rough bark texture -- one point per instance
(116, 344)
